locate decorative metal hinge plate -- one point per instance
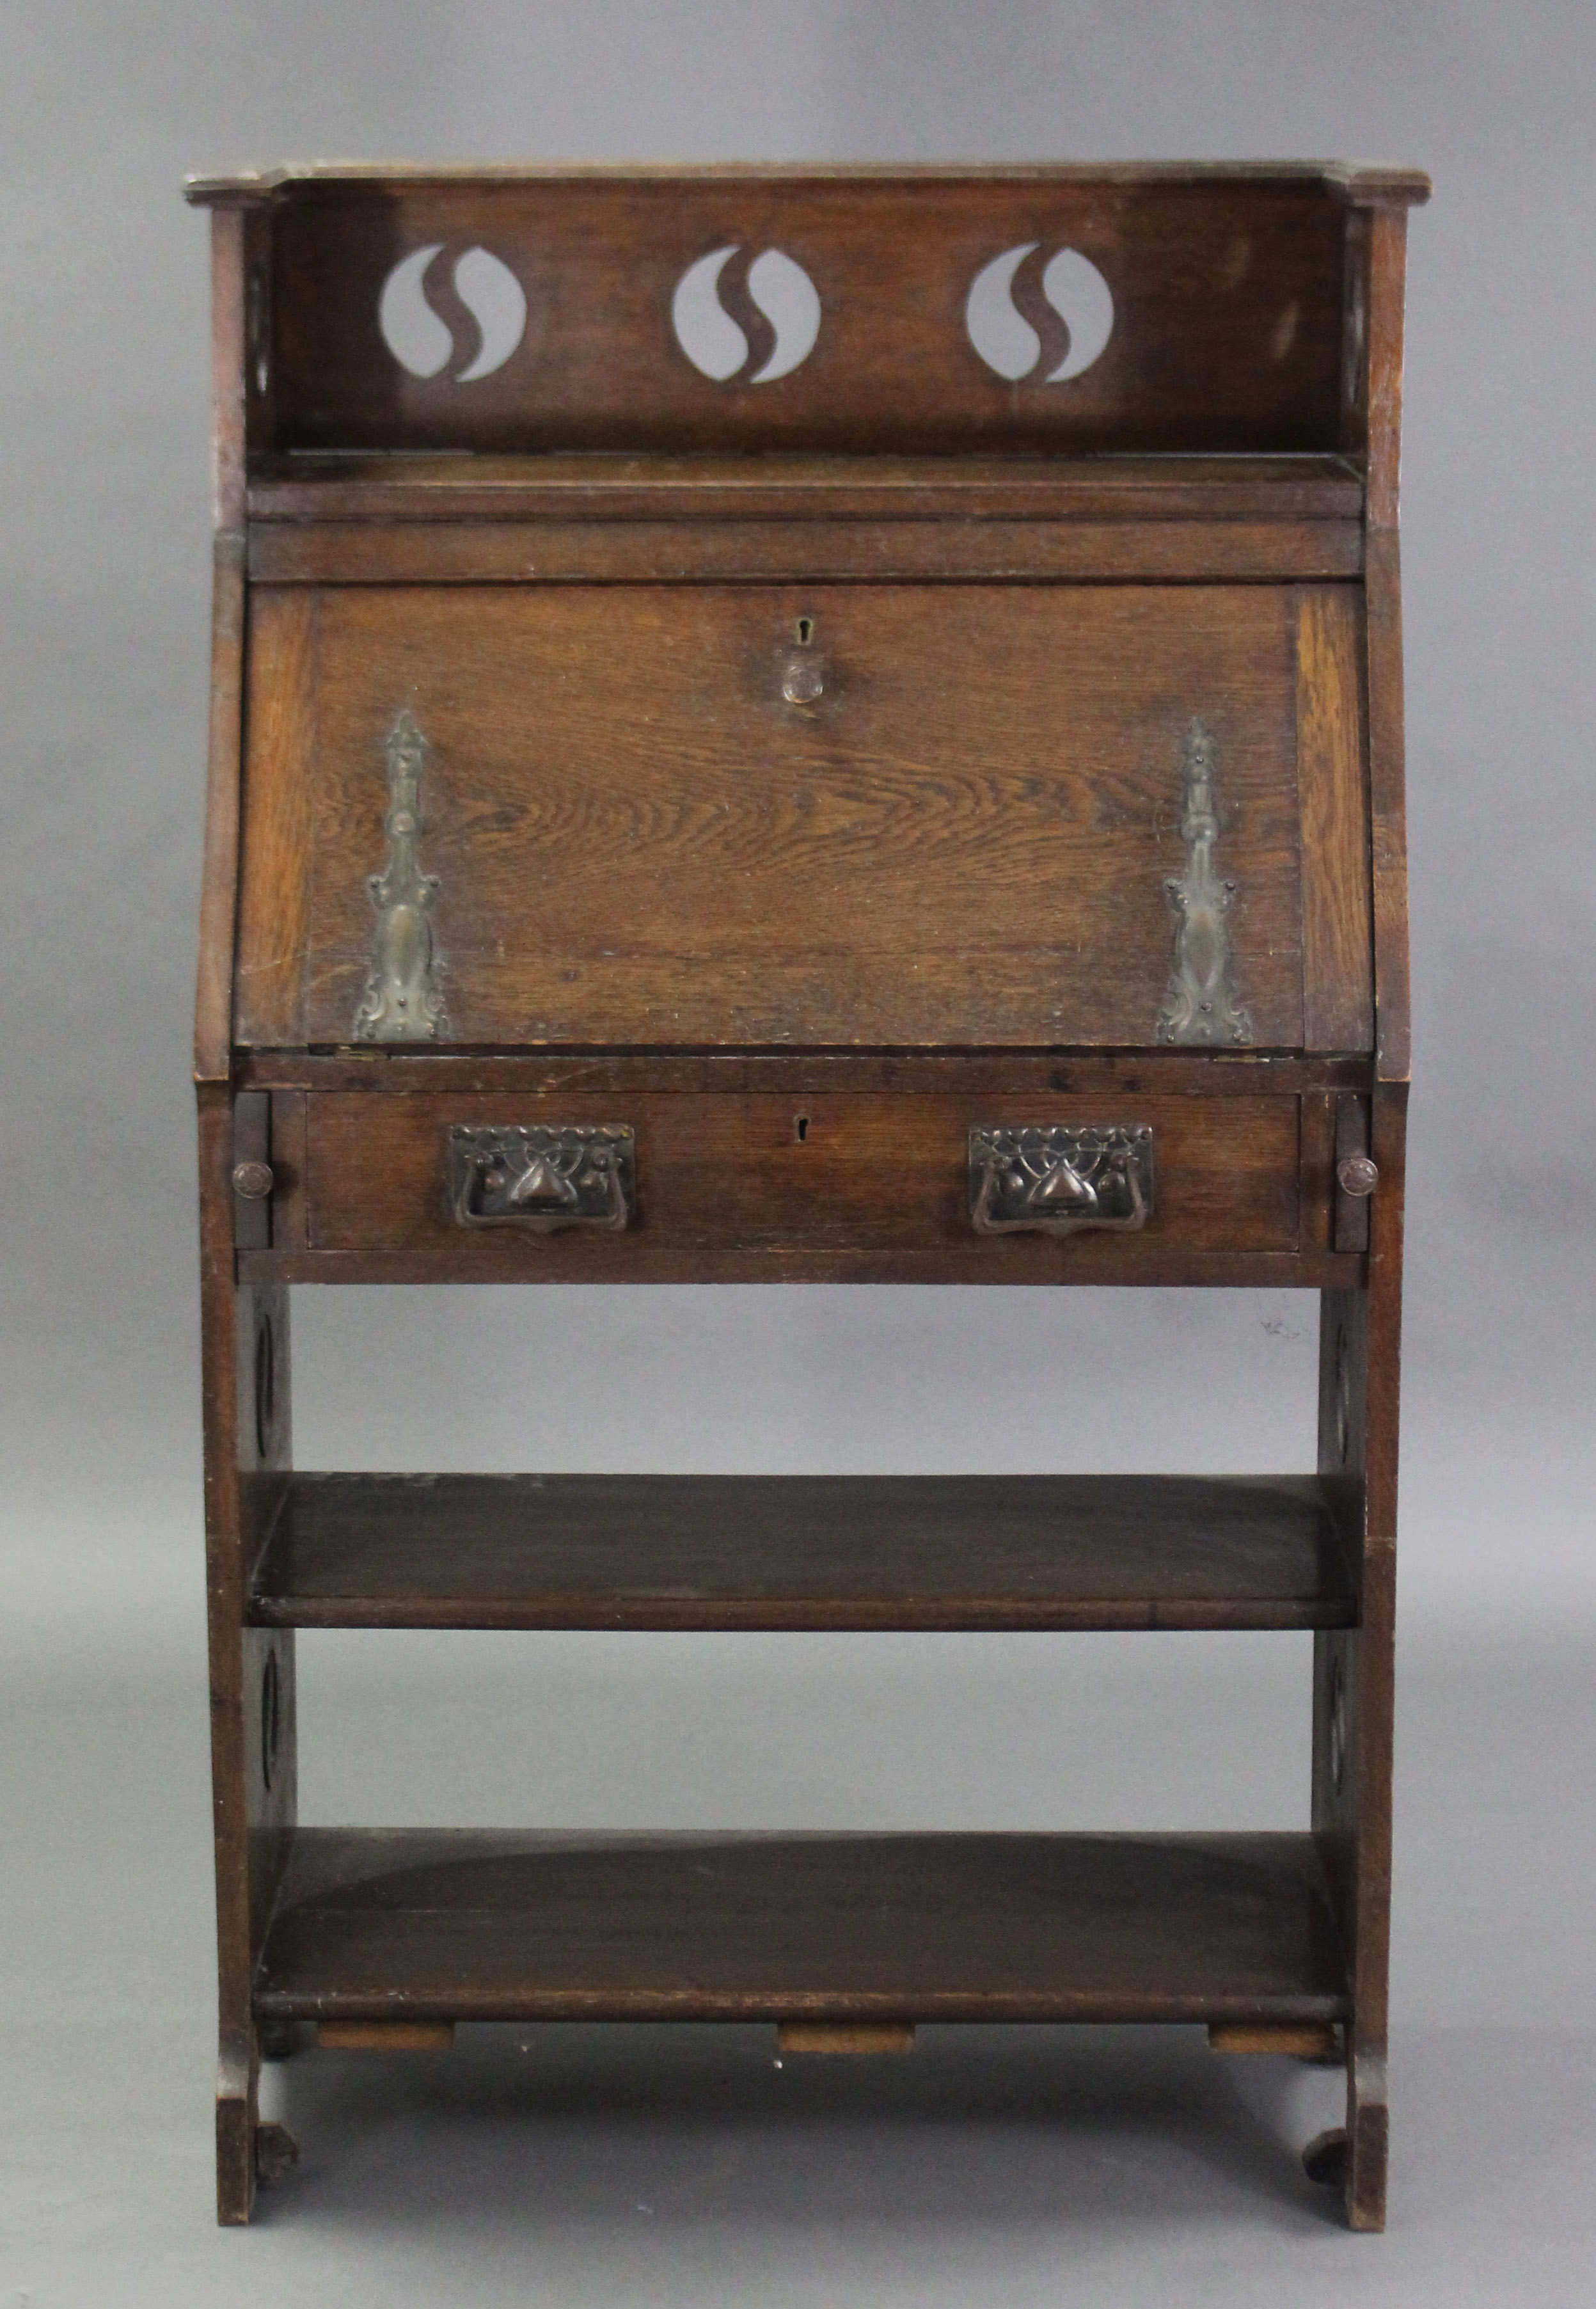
(1201, 1005)
(543, 1176)
(403, 1001)
(1059, 1181)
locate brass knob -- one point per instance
(802, 682)
(252, 1182)
(1358, 1174)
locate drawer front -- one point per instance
(760, 816)
(719, 1173)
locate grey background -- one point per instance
(1111, 2165)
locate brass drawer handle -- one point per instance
(1059, 1181)
(542, 1177)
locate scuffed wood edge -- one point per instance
(218, 888)
(1337, 937)
(1387, 262)
(1388, 248)
(213, 1051)
(1347, 180)
(1388, 810)
(1368, 2123)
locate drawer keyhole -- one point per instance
(802, 678)
(800, 1128)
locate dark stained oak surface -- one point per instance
(473, 1925)
(707, 488)
(773, 1260)
(1227, 299)
(803, 1552)
(811, 550)
(870, 1173)
(637, 839)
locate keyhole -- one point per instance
(805, 630)
(800, 1128)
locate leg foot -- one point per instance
(1366, 2167)
(1368, 2128)
(235, 2135)
(276, 2152)
(1324, 2159)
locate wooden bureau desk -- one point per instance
(812, 725)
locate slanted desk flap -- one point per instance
(765, 815)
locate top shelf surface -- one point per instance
(1348, 179)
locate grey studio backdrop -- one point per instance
(610, 2166)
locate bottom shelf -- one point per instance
(470, 1924)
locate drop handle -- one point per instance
(1060, 1180)
(542, 1177)
(1356, 1174)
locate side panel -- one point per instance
(1331, 774)
(247, 1452)
(280, 755)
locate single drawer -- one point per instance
(701, 816)
(722, 1173)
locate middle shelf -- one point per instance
(843, 1552)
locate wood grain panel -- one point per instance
(572, 487)
(1337, 931)
(875, 1174)
(510, 552)
(1388, 810)
(1093, 1259)
(219, 886)
(280, 768)
(400, 1924)
(964, 841)
(800, 1075)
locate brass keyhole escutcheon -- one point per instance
(803, 678)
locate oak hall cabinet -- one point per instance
(810, 725)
